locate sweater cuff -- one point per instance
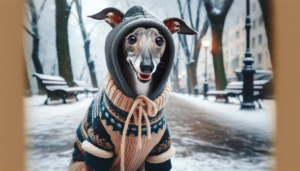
(92, 149)
(165, 166)
(162, 157)
(97, 163)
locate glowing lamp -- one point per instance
(206, 42)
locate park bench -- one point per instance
(262, 90)
(57, 86)
(86, 87)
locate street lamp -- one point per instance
(205, 43)
(248, 70)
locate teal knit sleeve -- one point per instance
(99, 149)
(99, 153)
(97, 157)
(81, 135)
(159, 157)
(98, 163)
(164, 166)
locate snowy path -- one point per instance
(203, 137)
(213, 136)
(51, 132)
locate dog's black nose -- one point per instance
(146, 66)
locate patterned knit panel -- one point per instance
(113, 119)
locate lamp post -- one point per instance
(205, 43)
(248, 70)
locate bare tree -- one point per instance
(26, 79)
(62, 14)
(267, 17)
(216, 13)
(33, 19)
(192, 56)
(175, 71)
(87, 42)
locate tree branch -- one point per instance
(27, 16)
(184, 46)
(204, 29)
(180, 9)
(190, 13)
(198, 15)
(41, 9)
(82, 72)
(208, 6)
(29, 32)
(225, 8)
(72, 2)
(183, 42)
(74, 16)
(93, 29)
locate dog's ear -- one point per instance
(177, 25)
(112, 16)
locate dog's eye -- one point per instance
(159, 41)
(131, 40)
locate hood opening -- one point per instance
(161, 67)
(114, 54)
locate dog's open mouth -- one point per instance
(144, 78)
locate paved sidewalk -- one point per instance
(211, 135)
(207, 135)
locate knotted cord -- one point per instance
(142, 106)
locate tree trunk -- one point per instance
(190, 80)
(35, 43)
(175, 73)
(87, 43)
(176, 86)
(90, 63)
(62, 41)
(192, 66)
(35, 36)
(27, 86)
(266, 7)
(217, 52)
(217, 20)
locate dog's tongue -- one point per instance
(145, 76)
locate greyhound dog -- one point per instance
(142, 50)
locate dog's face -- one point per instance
(143, 49)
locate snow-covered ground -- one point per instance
(257, 120)
(51, 130)
(253, 125)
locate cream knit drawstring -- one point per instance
(142, 106)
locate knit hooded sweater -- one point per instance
(120, 133)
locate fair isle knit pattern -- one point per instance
(104, 144)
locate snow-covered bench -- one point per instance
(86, 87)
(57, 86)
(235, 89)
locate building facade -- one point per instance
(234, 47)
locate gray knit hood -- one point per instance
(138, 16)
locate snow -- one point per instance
(257, 120)
(212, 162)
(51, 133)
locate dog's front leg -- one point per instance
(78, 166)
